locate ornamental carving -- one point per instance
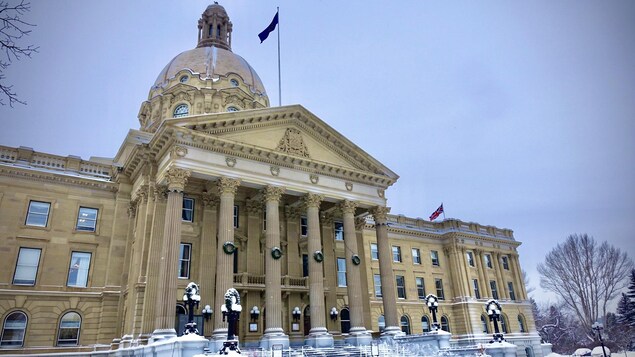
(314, 179)
(327, 218)
(177, 178)
(177, 152)
(142, 194)
(380, 213)
(275, 170)
(182, 96)
(273, 193)
(312, 200)
(349, 186)
(132, 209)
(254, 206)
(231, 161)
(347, 206)
(160, 193)
(360, 223)
(292, 143)
(381, 193)
(209, 200)
(291, 212)
(228, 185)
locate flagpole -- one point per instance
(443, 211)
(279, 77)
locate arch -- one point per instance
(345, 320)
(425, 323)
(405, 324)
(521, 323)
(14, 329)
(504, 324)
(484, 324)
(181, 110)
(180, 319)
(381, 323)
(445, 323)
(529, 352)
(68, 329)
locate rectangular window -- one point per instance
(470, 258)
(26, 267)
(438, 284)
(87, 219)
(416, 256)
(188, 210)
(492, 284)
(339, 230)
(396, 254)
(264, 220)
(377, 279)
(505, 262)
(305, 265)
(488, 260)
(374, 253)
(401, 286)
(421, 289)
(304, 226)
(236, 217)
(38, 214)
(434, 255)
(512, 294)
(185, 258)
(341, 271)
(477, 292)
(78, 270)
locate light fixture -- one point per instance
(334, 314)
(207, 312)
(493, 309)
(296, 313)
(254, 313)
(433, 305)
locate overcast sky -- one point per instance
(515, 114)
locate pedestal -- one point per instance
(359, 337)
(271, 338)
(319, 338)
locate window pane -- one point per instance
(185, 255)
(434, 255)
(38, 214)
(339, 230)
(304, 226)
(341, 272)
(26, 267)
(377, 278)
(87, 219)
(69, 329)
(78, 271)
(187, 214)
(374, 253)
(401, 287)
(39, 207)
(425, 324)
(13, 329)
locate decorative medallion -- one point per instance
(292, 143)
(276, 253)
(229, 248)
(355, 259)
(275, 170)
(318, 256)
(349, 186)
(231, 161)
(177, 152)
(314, 179)
(381, 193)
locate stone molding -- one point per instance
(347, 206)
(254, 206)
(273, 193)
(380, 214)
(160, 193)
(292, 143)
(141, 194)
(312, 200)
(132, 209)
(177, 178)
(209, 200)
(292, 212)
(52, 177)
(228, 185)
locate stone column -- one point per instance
(168, 269)
(274, 334)
(388, 292)
(484, 268)
(479, 270)
(521, 292)
(207, 253)
(227, 188)
(318, 335)
(500, 277)
(358, 334)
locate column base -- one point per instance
(443, 338)
(319, 338)
(359, 336)
(390, 332)
(162, 335)
(276, 337)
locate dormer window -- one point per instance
(183, 79)
(233, 82)
(181, 110)
(232, 109)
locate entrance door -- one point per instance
(307, 320)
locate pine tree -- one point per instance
(627, 311)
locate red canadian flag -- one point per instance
(436, 213)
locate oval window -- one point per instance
(181, 110)
(233, 82)
(232, 109)
(184, 79)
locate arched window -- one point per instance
(381, 323)
(521, 323)
(504, 324)
(68, 334)
(405, 324)
(180, 319)
(445, 324)
(425, 323)
(484, 324)
(181, 110)
(218, 32)
(233, 82)
(232, 109)
(13, 329)
(345, 320)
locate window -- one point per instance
(68, 334)
(434, 255)
(396, 254)
(374, 253)
(470, 258)
(401, 287)
(188, 210)
(421, 289)
(488, 260)
(377, 279)
(183, 79)
(416, 256)
(185, 258)
(305, 265)
(13, 330)
(38, 214)
(236, 216)
(345, 320)
(425, 324)
(438, 284)
(484, 324)
(504, 324)
(492, 285)
(505, 260)
(78, 270)
(233, 82)
(264, 220)
(87, 219)
(341, 271)
(339, 230)
(445, 324)
(235, 271)
(26, 267)
(304, 226)
(477, 292)
(405, 324)
(521, 323)
(381, 323)
(232, 109)
(512, 294)
(181, 110)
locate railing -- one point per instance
(8, 154)
(258, 281)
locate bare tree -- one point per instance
(12, 31)
(586, 276)
(530, 289)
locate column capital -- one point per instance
(272, 193)
(312, 200)
(254, 206)
(291, 212)
(228, 185)
(142, 194)
(177, 178)
(209, 200)
(327, 218)
(132, 209)
(347, 206)
(160, 193)
(360, 222)
(380, 213)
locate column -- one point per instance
(499, 274)
(515, 266)
(168, 269)
(318, 335)
(488, 288)
(358, 334)
(274, 334)
(388, 292)
(207, 253)
(478, 261)
(227, 188)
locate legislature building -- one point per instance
(219, 188)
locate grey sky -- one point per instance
(514, 114)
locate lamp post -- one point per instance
(597, 327)
(191, 299)
(493, 309)
(433, 305)
(334, 314)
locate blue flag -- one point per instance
(272, 26)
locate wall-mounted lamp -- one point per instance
(334, 314)
(296, 313)
(207, 312)
(254, 313)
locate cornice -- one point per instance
(41, 176)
